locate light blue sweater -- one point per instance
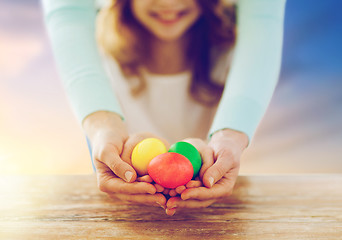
(250, 84)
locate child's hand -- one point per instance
(207, 161)
(147, 178)
(129, 145)
(107, 134)
(220, 177)
(133, 140)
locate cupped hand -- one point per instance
(107, 134)
(129, 145)
(221, 163)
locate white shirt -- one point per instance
(164, 108)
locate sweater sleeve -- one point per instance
(255, 68)
(71, 29)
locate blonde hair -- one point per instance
(122, 37)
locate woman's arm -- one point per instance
(255, 68)
(249, 88)
(71, 28)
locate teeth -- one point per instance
(168, 17)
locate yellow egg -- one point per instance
(144, 152)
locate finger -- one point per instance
(109, 183)
(180, 189)
(171, 211)
(159, 188)
(224, 163)
(129, 145)
(166, 191)
(172, 193)
(133, 140)
(110, 157)
(206, 152)
(175, 202)
(145, 178)
(172, 202)
(154, 200)
(223, 188)
(194, 184)
(203, 193)
(207, 160)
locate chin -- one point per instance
(169, 37)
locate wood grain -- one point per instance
(262, 207)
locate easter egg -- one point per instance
(190, 152)
(144, 152)
(170, 170)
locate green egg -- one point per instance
(190, 152)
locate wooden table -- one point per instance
(262, 207)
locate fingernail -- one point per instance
(184, 197)
(211, 181)
(173, 206)
(161, 205)
(173, 212)
(151, 191)
(128, 176)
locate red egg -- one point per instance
(170, 170)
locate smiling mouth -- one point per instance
(168, 17)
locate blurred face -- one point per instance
(167, 20)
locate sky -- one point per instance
(301, 131)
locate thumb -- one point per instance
(214, 173)
(120, 168)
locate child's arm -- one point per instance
(255, 67)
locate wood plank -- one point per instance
(262, 207)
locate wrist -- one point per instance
(238, 137)
(103, 120)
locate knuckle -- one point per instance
(221, 170)
(115, 166)
(225, 153)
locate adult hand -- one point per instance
(221, 163)
(107, 134)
